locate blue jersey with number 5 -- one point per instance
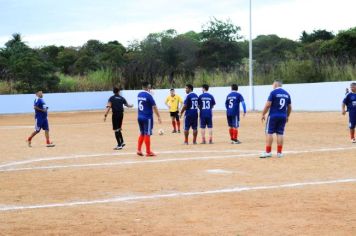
(280, 100)
(206, 104)
(191, 103)
(232, 104)
(145, 104)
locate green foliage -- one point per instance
(216, 56)
(316, 35)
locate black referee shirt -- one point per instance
(117, 103)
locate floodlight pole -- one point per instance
(252, 97)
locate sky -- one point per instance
(73, 22)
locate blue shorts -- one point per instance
(146, 125)
(190, 122)
(276, 125)
(41, 124)
(206, 122)
(233, 121)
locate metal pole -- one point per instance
(252, 98)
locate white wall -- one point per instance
(305, 97)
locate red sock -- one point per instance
(148, 143)
(185, 139)
(178, 124)
(231, 133)
(29, 139)
(236, 133)
(279, 148)
(268, 149)
(140, 142)
(47, 141)
(352, 134)
(174, 125)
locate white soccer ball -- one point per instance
(160, 131)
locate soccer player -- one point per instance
(206, 103)
(279, 107)
(174, 103)
(41, 119)
(146, 107)
(191, 114)
(232, 105)
(350, 102)
(116, 103)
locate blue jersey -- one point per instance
(145, 104)
(350, 102)
(39, 102)
(191, 103)
(280, 100)
(206, 103)
(232, 104)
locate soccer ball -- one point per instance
(160, 131)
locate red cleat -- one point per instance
(151, 154)
(139, 153)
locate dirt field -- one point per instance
(84, 187)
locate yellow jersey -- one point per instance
(173, 102)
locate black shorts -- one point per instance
(117, 120)
(175, 115)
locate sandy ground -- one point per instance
(84, 187)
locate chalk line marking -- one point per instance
(58, 158)
(150, 161)
(144, 161)
(219, 171)
(118, 163)
(137, 198)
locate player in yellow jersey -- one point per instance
(174, 102)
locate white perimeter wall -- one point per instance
(305, 97)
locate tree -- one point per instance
(316, 35)
(220, 30)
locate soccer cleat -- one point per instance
(279, 155)
(235, 141)
(353, 140)
(50, 145)
(266, 155)
(203, 142)
(195, 143)
(139, 153)
(186, 143)
(150, 154)
(123, 145)
(174, 131)
(211, 142)
(28, 143)
(178, 131)
(118, 147)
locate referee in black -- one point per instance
(116, 103)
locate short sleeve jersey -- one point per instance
(174, 102)
(206, 103)
(191, 103)
(39, 102)
(117, 103)
(350, 102)
(280, 100)
(232, 103)
(145, 103)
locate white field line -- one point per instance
(150, 161)
(137, 198)
(58, 158)
(144, 160)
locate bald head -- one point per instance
(277, 84)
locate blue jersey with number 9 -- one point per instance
(145, 104)
(280, 100)
(191, 103)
